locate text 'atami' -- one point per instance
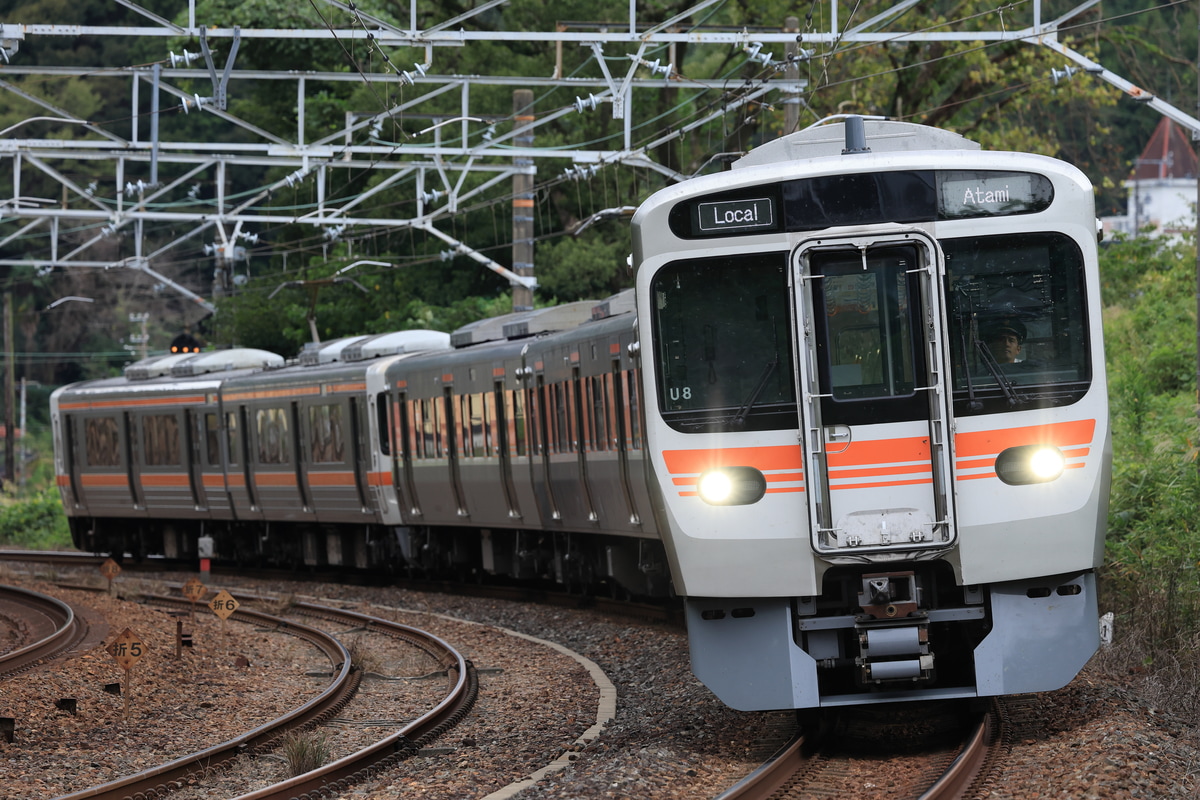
(980, 196)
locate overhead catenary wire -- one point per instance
(550, 183)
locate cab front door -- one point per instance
(874, 400)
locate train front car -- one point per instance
(877, 417)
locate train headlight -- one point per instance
(731, 486)
(1032, 463)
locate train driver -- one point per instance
(1005, 339)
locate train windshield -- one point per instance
(1018, 322)
(724, 354)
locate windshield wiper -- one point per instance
(739, 419)
(993, 366)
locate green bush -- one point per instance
(36, 522)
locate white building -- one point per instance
(1162, 188)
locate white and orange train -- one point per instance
(854, 413)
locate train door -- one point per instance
(361, 447)
(452, 435)
(582, 436)
(132, 465)
(195, 433)
(503, 446)
(71, 460)
(542, 426)
(247, 504)
(874, 400)
(615, 389)
(403, 442)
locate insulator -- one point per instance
(408, 77)
(1062, 74)
(589, 104)
(183, 60)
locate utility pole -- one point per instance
(791, 100)
(10, 398)
(522, 204)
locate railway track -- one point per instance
(43, 628)
(670, 612)
(160, 780)
(810, 767)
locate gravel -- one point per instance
(539, 707)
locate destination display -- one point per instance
(736, 215)
(862, 198)
(963, 195)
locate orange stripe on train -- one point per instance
(170, 481)
(881, 451)
(331, 479)
(989, 443)
(683, 462)
(104, 480)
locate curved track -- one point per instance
(161, 780)
(46, 627)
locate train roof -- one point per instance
(183, 365)
(397, 343)
(880, 136)
(540, 321)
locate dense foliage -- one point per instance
(34, 522)
(1153, 546)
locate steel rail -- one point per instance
(780, 776)
(970, 763)
(158, 781)
(67, 629)
(406, 742)
(772, 776)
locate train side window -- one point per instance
(326, 436)
(478, 426)
(233, 437)
(516, 415)
(160, 436)
(212, 439)
(561, 419)
(539, 415)
(382, 414)
(416, 410)
(101, 442)
(274, 443)
(491, 427)
(1017, 311)
(635, 415)
(463, 425)
(598, 407)
(581, 413)
(451, 428)
(433, 428)
(610, 410)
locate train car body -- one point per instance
(862, 498)
(146, 447)
(516, 452)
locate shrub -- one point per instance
(36, 522)
(306, 751)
